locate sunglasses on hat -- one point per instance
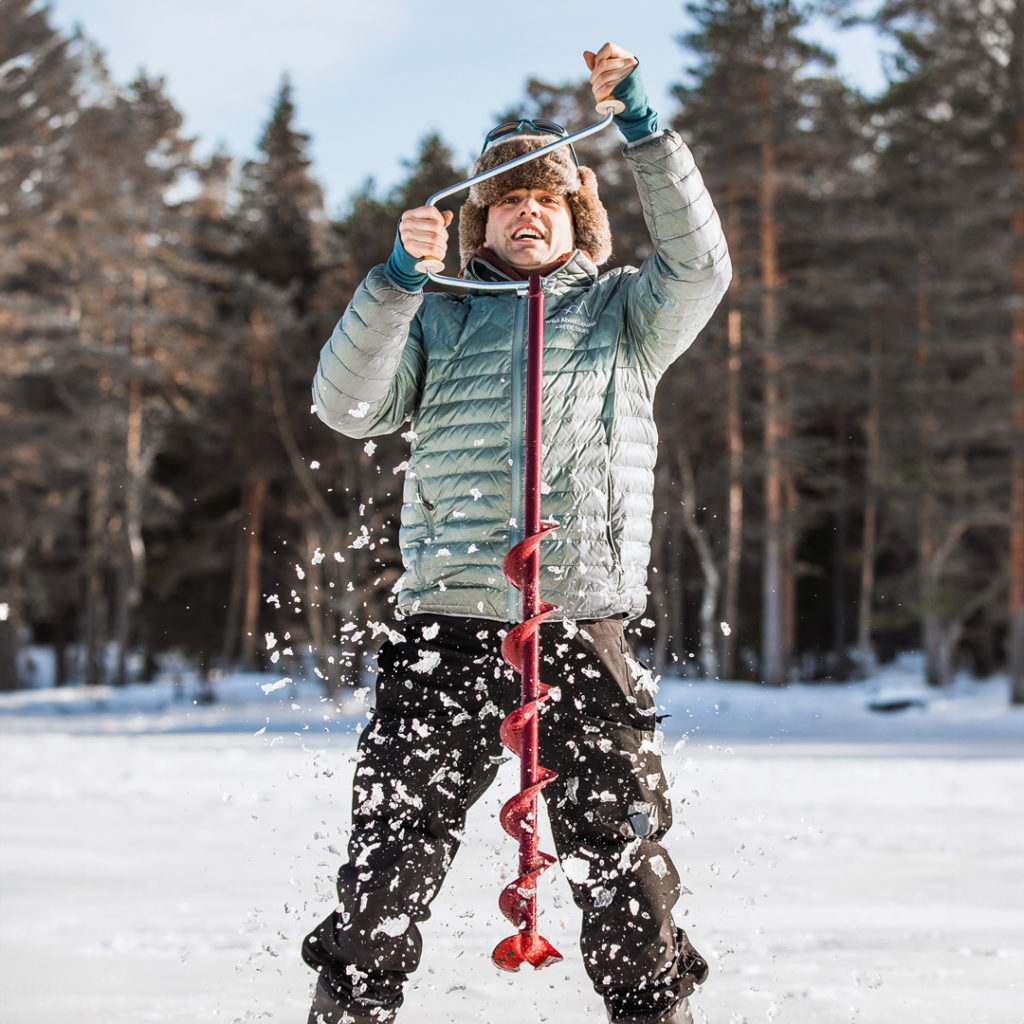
(527, 125)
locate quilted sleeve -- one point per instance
(681, 283)
(371, 368)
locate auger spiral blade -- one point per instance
(520, 649)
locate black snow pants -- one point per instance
(431, 750)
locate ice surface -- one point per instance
(160, 862)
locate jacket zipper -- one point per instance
(428, 512)
(427, 508)
(518, 445)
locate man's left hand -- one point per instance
(609, 66)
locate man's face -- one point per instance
(529, 228)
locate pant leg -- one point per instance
(430, 750)
(609, 811)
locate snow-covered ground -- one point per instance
(161, 860)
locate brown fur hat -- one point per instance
(558, 172)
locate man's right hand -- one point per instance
(424, 232)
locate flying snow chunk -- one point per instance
(576, 869)
(314, 464)
(658, 866)
(431, 631)
(475, 493)
(5, 611)
(369, 448)
(271, 641)
(725, 628)
(318, 557)
(392, 634)
(429, 660)
(300, 572)
(359, 411)
(394, 926)
(271, 687)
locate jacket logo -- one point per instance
(569, 318)
(579, 309)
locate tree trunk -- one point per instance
(872, 469)
(12, 591)
(927, 543)
(734, 547)
(1016, 608)
(838, 582)
(8, 646)
(708, 661)
(97, 545)
(774, 659)
(252, 519)
(789, 549)
(230, 645)
(133, 559)
(676, 584)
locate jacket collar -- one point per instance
(578, 271)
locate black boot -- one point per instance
(326, 1009)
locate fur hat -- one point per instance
(558, 172)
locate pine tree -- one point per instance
(949, 120)
(772, 130)
(283, 232)
(281, 213)
(111, 337)
(39, 435)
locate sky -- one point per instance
(373, 77)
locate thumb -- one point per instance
(589, 56)
(448, 215)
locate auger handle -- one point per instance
(607, 107)
(430, 266)
(610, 105)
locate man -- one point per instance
(454, 367)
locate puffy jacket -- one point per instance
(454, 366)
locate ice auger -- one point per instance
(521, 647)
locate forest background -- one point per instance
(841, 473)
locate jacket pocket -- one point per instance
(427, 509)
(609, 519)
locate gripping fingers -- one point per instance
(608, 67)
(424, 233)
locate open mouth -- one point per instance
(526, 235)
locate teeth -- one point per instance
(526, 233)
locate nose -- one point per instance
(527, 206)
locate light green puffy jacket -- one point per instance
(454, 366)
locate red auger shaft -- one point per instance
(521, 648)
